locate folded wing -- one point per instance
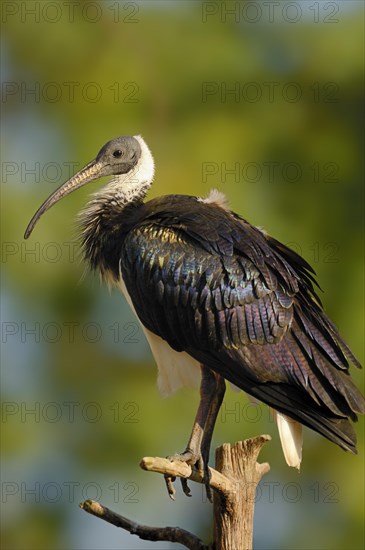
(210, 284)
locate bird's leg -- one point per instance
(192, 453)
(212, 390)
(215, 405)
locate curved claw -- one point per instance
(190, 458)
(169, 480)
(185, 486)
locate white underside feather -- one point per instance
(291, 437)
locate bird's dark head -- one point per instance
(127, 158)
(119, 156)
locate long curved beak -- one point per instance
(90, 172)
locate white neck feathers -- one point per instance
(123, 189)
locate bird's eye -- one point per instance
(118, 153)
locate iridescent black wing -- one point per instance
(210, 284)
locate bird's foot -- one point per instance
(196, 461)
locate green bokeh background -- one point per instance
(143, 67)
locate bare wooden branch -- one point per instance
(176, 468)
(145, 532)
(234, 481)
(234, 510)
